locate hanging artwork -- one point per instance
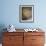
(26, 13)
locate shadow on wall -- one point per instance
(2, 26)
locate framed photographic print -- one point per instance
(26, 13)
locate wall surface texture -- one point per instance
(9, 13)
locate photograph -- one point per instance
(26, 13)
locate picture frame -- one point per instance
(26, 13)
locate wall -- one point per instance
(10, 13)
